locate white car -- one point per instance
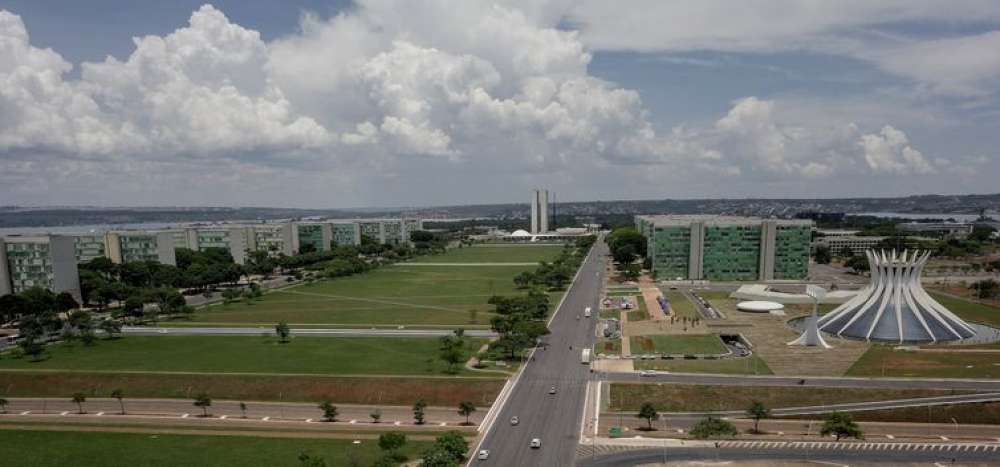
(647, 373)
(514, 421)
(484, 454)
(536, 443)
(552, 390)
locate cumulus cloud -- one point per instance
(383, 89)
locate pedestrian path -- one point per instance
(862, 446)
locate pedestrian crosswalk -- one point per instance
(862, 446)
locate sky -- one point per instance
(378, 103)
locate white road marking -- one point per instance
(943, 438)
(64, 413)
(443, 424)
(223, 417)
(26, 412)
(890, 436)
(185, 415)
(266, 419)
(397, 423)
(309, 420)
(353, 422)
(100, 413)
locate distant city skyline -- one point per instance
(379, 103)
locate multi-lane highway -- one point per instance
(552, 418)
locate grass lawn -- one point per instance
(608, 347)
(640, 313)
(608, 313)
(398, 295)
(250, 354)
(680, 304)
(970, 311)
(733, 366)
(882, 360)
(495, 254)
(372, 390)
(697, 344)
(987, 413)
(690, 398)
(106, 449)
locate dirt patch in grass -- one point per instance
(884, 360)
(346, 390)
(608, 347)
(687, 345)
(688, 398)
(640, 313)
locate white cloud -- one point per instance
(890, 152)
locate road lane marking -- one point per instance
(223, 417)
(353, 422)
(185, 415)
(26, 412)
(890, 436)
(943, 438)
(443, 424)
(266, 419)
(100, 413)
(309, 420)
(64, 413)
(397, 423)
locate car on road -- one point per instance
(536, 443)
(484, 454)
(552, 390)
(514, 420)
(647, 373)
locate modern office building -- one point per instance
(276, 239)
(128, 246)
(345, 233)
(312, 237)
(47, 261)
(725, 248)
(89, 246)
(856, 245)
(539, 211)
(945, 229)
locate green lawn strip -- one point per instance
(691, 398)
(622, 293)
(106, 449)
(968, 310)
(609, 313)
(986, 413)
(752, 365)
(372, 390)
(706, 344)
(269, 326)
(400, 295)
(250, 354)
(640, 313)
(681, 306)
(608, 347)
(883, 360)
(495, 254)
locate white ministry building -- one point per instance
(540, 211)
(894, 307)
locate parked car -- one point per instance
(536, 443)
(484, 454)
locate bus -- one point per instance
(585, 357)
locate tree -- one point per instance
(203, 401)
(111, 328)
(231, 295)
(822, 254)
(120, 395)
(376, 415)
(454, 443)
(713, 427)
(438, 456)
(757, 411)
(65, 302)
(624, 255)
(841, 425)
(79, 398)
(858, 263)
(32, 348)
(283, 331)
(329, 411)
(3, 405)
(418, 411)
(986, 289)
(391, 443)
(648, 412)
(452, 350)
(243, 409)
(305, 460)
(466, 409)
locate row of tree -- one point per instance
(838, 424)
(627, 245)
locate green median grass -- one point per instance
(709, 344)
(752, 365)
(105, 449)
(249, 354)
(684, 398)
(608, 347)
(640, 313)
(495, 254)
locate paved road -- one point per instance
(811, 381)
(554, 419)
(273, 411)
(317, 332)
(820, 453)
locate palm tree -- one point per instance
(329, 411)
(376, 415)
(78, 399)
(3, 405)
(243, 408)
(204, 402)
(119, 394)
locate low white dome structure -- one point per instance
(520, 233)
(759, 306)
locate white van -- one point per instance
(586, 312)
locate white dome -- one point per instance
(759, 306)
(520, 233)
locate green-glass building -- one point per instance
(725, 248)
